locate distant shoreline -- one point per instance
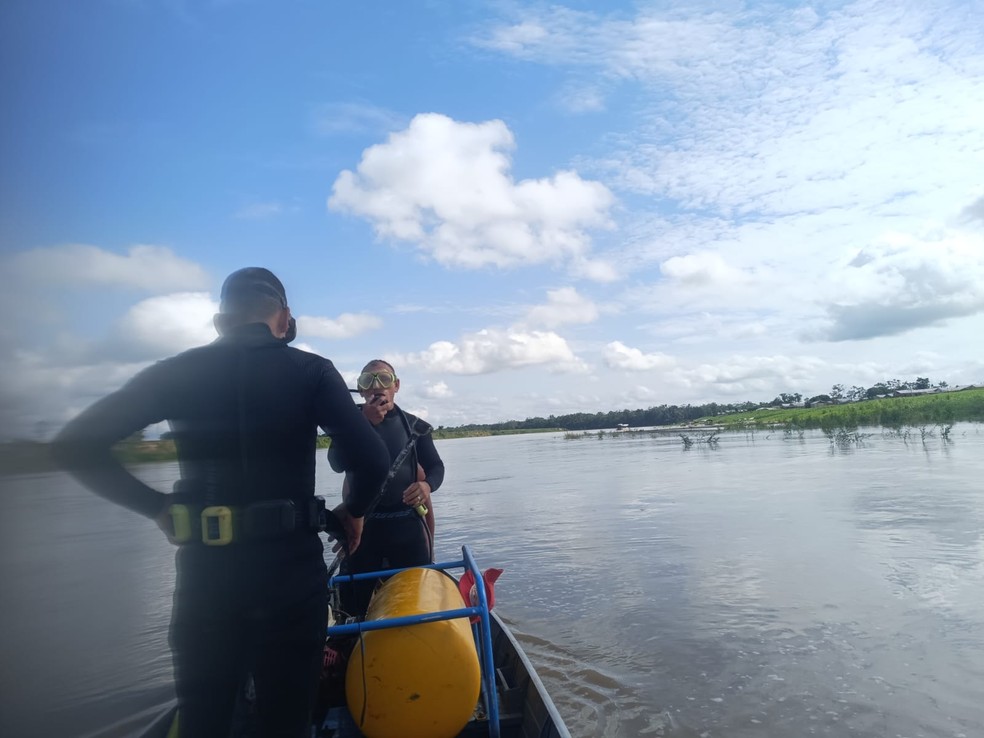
(32, 457)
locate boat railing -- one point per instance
(482, 629)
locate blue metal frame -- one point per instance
(483, 636)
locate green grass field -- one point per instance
(941, 409)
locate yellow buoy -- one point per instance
(417, 681)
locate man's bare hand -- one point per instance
(353, 529)
(417, 494)
(376, 407)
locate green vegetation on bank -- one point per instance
(32, 457)
(137, 453)
(943, 409)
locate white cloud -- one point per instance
(37, 396)
(812, 279)
(581, 99)
(785, 139)
(421, 412)
(73, 352)
(437, 391)
(780, 110)
(168, 324)
(747, 376)
(345, 325)
(564, 306)
(785, 174)
(715, 328)
(350, 377)
(901, 282)
(493, 350)
(619, 356)
(66, 350)
(975, 211)
(596, 270)
(154, 269)
(516, 38)
(445, 186)
(702, 270)
(741, 377)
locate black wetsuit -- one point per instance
(245, 413)
(395, 535)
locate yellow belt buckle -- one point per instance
(217, 525)
(180, 523)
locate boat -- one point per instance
(512, 700)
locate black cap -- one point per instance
(243, 286)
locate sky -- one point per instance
(530, 209)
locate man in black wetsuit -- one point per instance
(395, 535)
(251, 594)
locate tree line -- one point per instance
(675, 414)
(840, 393)
(662, 415)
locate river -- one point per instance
(766, 584)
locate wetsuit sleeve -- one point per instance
(430, 460)
(334, 458)
(84, 447)
(356, 448)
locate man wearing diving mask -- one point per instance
(399, 528)
(245, 412)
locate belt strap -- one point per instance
(220, 525)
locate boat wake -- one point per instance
(594, 700)
(132, 725)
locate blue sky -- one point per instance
(530, 209)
